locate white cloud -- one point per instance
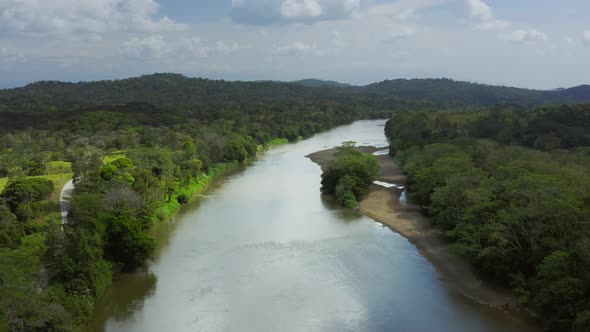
(528, 35)
(335, 36)
(494, 25)
(297, 48)
(185, 47)
(479, 10)
(303, 8)
(87, 16)
(261, 12)
(485, 18)
(402, 10)
(148, 47)
(197, 47)
(226, 48)
(398, 34)
(346, 42)
(586, 36)
(10, 55)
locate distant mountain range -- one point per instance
(314, 83)
(457, 93)
(175, 90)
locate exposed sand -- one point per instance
(382, 204)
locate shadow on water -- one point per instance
(164, 232)
(345, 215)
(129, 291)
(125, 297)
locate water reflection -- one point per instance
(125, 297)
(344, 215)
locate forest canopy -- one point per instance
(139, 148)
(510, 189)
(133, 164)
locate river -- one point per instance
(263, 251)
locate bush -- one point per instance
(344, 193)
(24, 191)
(182, 199)
(107, 172)
(122, 163)
(349, 175)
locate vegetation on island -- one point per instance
(510, 189)
(349, 174)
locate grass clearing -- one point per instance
(59, 167)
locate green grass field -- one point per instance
(59, 167)
(60, 172)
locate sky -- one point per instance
(541, 44)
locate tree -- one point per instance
(26, 190)
(349, 174)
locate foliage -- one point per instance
(136, 157)
(23, 307)
(139, 148)
(25, 191)
(349, 174)
(521, 216)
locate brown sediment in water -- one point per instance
(383, 205)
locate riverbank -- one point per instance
(383, 205)
(168, 209)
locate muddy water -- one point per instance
(263, 251)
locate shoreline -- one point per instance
(168, 210)
(382, 205)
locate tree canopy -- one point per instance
(518, 210)
(349, 174)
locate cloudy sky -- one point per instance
(525, 43)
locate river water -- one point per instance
(263, 251)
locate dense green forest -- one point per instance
(446, 93)
(511, 190)
(312, 82)
(174, 92)
(134, 165)
(139, 148)
(349, 174)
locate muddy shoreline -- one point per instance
(383, 205)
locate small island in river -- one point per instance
(383, 205)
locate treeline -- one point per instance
(174, 91)
(133, 165)
(349, 174)
(564, 127)
(449, 94)
(521, 216)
